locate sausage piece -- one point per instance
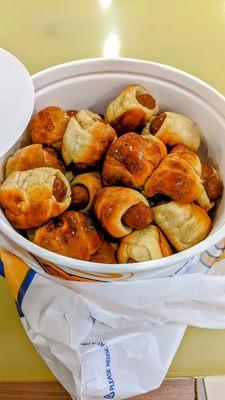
(59, 189)
(146, 100)
(80, 196)
(138, 216)
(50, 150)
(72, 113)
(157, 123)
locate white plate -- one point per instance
(16, 100)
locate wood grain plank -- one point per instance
(171, 389)
(200, 389)
(33, 391)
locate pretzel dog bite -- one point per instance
(131, 159)
(30, 198)
(176, 177)
(146, 244)
(48, 126)
(72, 235)
(33, 156)
(133, 107)
(86, 139)
(175, 129)
(84, 187)
(112, 207)
(192, 159)
(183, 224)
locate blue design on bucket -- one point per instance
(19, 309)
(2, 272)
(205, 265)
(25, 285)
(219, 248)
(212, 255)
(183, 266)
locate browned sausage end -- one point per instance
(59, 189)
(157, 123)
(146, 100)
(80, 197)
(138, 216)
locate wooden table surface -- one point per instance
(171, 389)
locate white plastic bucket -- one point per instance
(92, 84)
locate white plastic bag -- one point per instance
(113, 340)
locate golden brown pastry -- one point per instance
(175, 129)
(131, 159)
(212, 182)
(192, 159)
(203, 200)
(186, 154)
(33, 156)
(48, 126)
(84, 188)
(133, 107)
(105, 254)
(72, 235)
(176, 177)
(112, 203)
(183, 224)
(30, 198)
(146, 244)
(86, 139)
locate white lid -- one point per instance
(16, 100)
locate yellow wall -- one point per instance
(188, 34)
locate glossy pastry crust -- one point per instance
(133, 107)
(30, 198)
(72, 235)
(175, 177)
(92, 182)
(111, 204)
(143, 245)
(184, 153)
(212, 183)
(86, 139)
(105, 254)
(48, 126)
(184, 225)
(131, 159)
(188, 155)
(30, 157)
(175, 129)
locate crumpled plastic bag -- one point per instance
(113, 340)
